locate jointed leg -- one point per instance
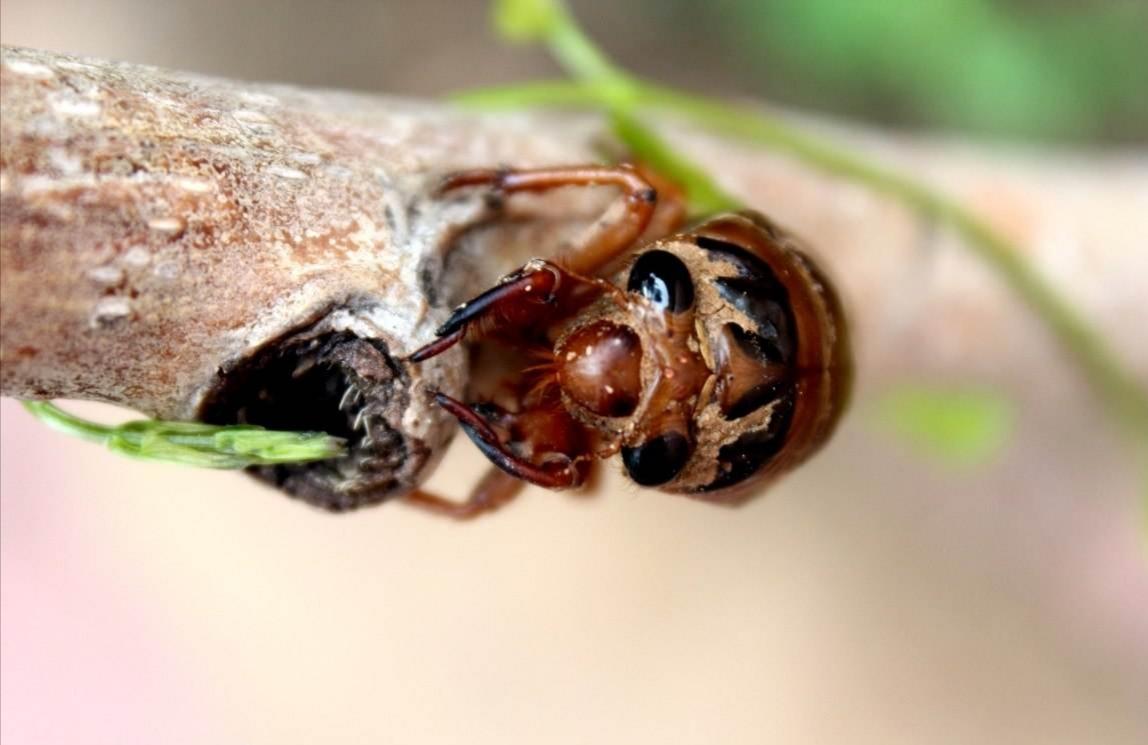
(554, 454)
(604, 245)
(542, 443)
(670, 214)
(542, 292)
(550, 437)
(494, 490)
(528, 300)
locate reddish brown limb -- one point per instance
(515, 298)
(540, 292)
(670, 214)
(560, 471)
(438, 346)
(528, 300)
(495, 489)
(605, 244)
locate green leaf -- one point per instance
(195, 443)
(960, 427)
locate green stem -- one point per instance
(582, 57)
(703, 195)
(195, 443)
(69, 424)
(554, 93)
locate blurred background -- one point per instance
(991, 589)
(1053, 70)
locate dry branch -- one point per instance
(194, 248)
(197, 248)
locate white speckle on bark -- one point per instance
(368, 237)
(307, 159)
(73, 106)
(75, 66)
(171, 226)
(168, 269)
(286, 172)
(137, 257)
(250, 116)
(255, 122)
(66, 163)
(34, 187)
(106, 275)
(54, 209)
(256, 98)
(30, 69)
(194, 185)
(110, 311)
(163, 102)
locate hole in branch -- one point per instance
(336, 383)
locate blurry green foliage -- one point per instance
(961, 427)
(525, 22)
(1057, 69)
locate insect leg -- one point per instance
(494, 490)
(549, 433)
(670, 214)
(607, 242)
(530, 299)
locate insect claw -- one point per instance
(455, 322)
(486, 409)
(349, 399)
(368, 439)
(438, 346)
(303, 367)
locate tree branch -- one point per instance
(197, 248)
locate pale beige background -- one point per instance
(875, 597)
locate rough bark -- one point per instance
(198, 248)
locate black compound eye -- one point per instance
(658, 460)
(663, 279)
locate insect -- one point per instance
(712, 359)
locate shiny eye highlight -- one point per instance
(664, 280)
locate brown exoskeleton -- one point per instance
(713, 359)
